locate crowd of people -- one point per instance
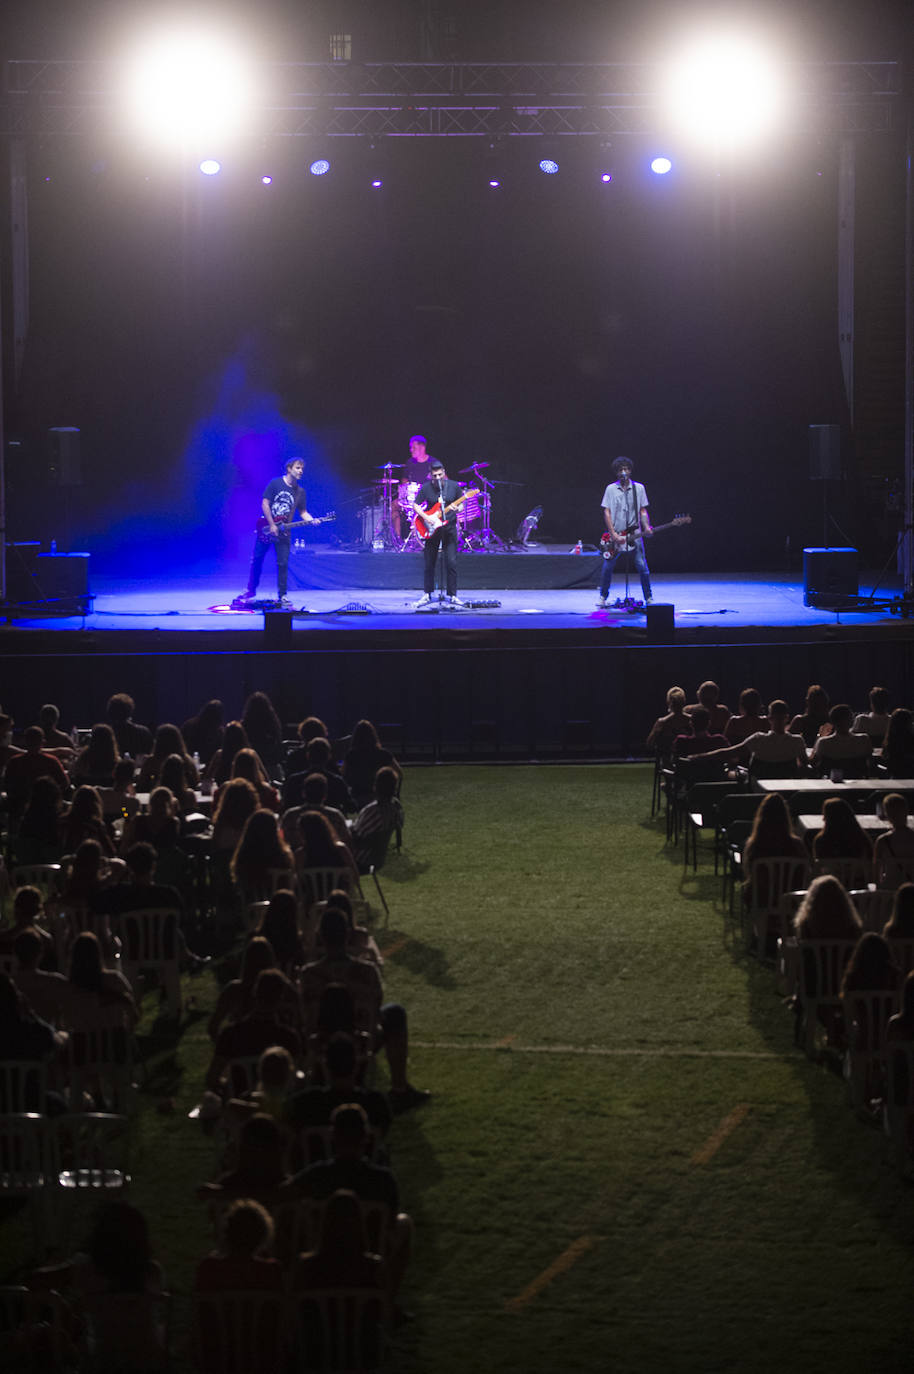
(856, 902)
(251, 845)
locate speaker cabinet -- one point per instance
(829, 577)
(277, 629)
(825, 453)
(661, 624)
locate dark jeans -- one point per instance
(445, 539)
(282, 544)
(640, 567)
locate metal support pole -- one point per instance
(846, 230)
(907, 552)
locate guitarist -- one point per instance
(627, 520)
(283, 501)
(433, 496)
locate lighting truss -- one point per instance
(448, 99)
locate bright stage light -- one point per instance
(210, 167)
(494, 183)
(724, 92)
(606, 177)
(187, 87)
(266, 181)
(319, 167)
(549, 166)
(661, 165)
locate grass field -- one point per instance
(626, 1164)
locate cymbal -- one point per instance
(381, 466)
(474, 467)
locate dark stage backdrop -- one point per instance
(199, 331)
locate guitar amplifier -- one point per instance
(829, 577)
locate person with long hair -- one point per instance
(750, 720)
(94, 985)
(841, 836)
(901, 1025)
(247, 764)
(203, 732)
(172, 777)
(364, 758)
(773, 835)
(236, 801)
(279, 925)
(320, 848)
(898, 745)
(893, 852)
(84, 820)
(262, 859)
(263, 729)
(237, 996)
(875, 721)
(869, 969)
(827, 912)
(814, 717)
(900, 925)
(168, 740)
(219, 768)
(39, 839)
(159, 826)
(94, 765)
(312, 727)
(241, 1263)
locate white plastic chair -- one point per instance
(149, 940)
(874, 906)
(26, 1171)
(100, 1053)
(239, 1332)
(23, 1083)
(868, 1014)
(338, 1330)
(768, 880)
(822, 964)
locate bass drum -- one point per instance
(470, 513)
(371, 520)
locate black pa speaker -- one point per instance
(661, 623)
(829, 577)
(825, 453)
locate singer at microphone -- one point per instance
(439, 498)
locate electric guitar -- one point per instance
(284, 525)
(631, 538)
(427, 521)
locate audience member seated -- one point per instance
(310, 728)
(264, 731)
(751, 719)
(386, 1023)
(314, 798)
(359, 941)
(237, 996)
(841, 751)
(219, 768)
(875, 721)
(130, 1337)
(159, 826)
(901, 1025)
(364, 758)
(39, 839)
(236, 801)
(168, 740)
(279, 926)
(842, 837)
(700, 742)
(247, 765)
(277, 1084)
(772, 837)
(85, 821)
(772, 751)
(203, 733)
(898, 745)
(132, 738)
(709, 699)
(893, 852)
(827, 912)
(54, 737)
(899, 929)
(314, 1105)
(260, 1169)
(141, 893)
(869, 969)
(241, 1264)
(262, 861)
(172, 777)
(93, 987)
(814, 717)
(28, 909)
(319, 848)
(342, 1259)
(24, 1036)
(378, 819)
(665, 728)
(261, 1028)
(23, 770)
(89, 873)
(119, 801)
(8, 749)
(94, 765)
(44, 991)
(319, 760)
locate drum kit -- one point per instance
(389, 498)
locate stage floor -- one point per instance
(724, 605)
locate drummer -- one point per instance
(415, 472)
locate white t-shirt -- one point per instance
(624, 506)
(771, 747)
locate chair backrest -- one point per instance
(239, 1332)
(895, 872)
(738, 806)
(873, 905)
(903, 955)
(869, 1014)
(338, 1330)
(46, 877)
(769, 879)
(150, 936)
(127, 1331)
(101, 1058)
(823, 963)
(24, 1153)
(38, 1320)
(23, 1083)
(92, 1148)
(849, 872)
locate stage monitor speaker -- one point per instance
(60, 584)
(825, 453)
(277, 629)
(661, 623)
(829, 577)
(64, 461)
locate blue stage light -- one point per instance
(210, 167)
(319, 167)
(266, 180)
(607, 176)
(549, 166)
(661, 165)
(377, 182)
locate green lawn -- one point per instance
(587, 1025)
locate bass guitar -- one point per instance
(609, 545)
(427, 521)
(285, 526)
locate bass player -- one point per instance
(627, 522)
(433, 498)
(283, 502)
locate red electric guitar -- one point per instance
(284, 525)
(632, 535)
(427, 521)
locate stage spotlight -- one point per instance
(319, 167)
(606, 177)
(377, 183)
(549, 166)
(661, 165)
(186, 87)
(724, 91)
(494, 183)
(210, 167)
(266, 180)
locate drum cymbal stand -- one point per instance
(485, 538)
(387, 534)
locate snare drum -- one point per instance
(407, 493)
(371, 518)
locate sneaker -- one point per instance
(285, 604)
(455, 601)
(245, 596)
(407, 1099)
(425, 600)
(648, 601)
(601, 604)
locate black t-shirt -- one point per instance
(284, 500)
(450, 491)
(417, 472)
